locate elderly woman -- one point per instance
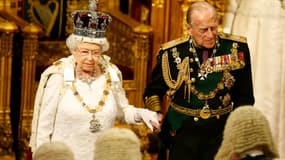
(82, 95)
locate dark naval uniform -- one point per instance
(204, 86)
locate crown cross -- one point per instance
(93, 5)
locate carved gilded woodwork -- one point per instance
(7, 30)
(29, 35)
(120, 36)
(30, 45)
(158, 3)
(10, 5)
(142, 48)
(49, 52)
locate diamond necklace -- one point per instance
(87, 80)
(205, 68)
(94, 123)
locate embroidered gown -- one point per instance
(62, 117)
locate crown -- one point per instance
(90, 23)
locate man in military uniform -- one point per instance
(205, 76)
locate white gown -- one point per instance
(59, 116)
(263, 23)
(72, 120)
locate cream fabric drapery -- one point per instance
(262, 22)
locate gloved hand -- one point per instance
(148, 117)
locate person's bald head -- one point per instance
(200, 9)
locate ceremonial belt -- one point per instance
(199, 113)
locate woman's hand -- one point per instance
(150, 118)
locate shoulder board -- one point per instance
(233, 37)
(174, 42)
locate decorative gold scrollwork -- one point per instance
(158, 3)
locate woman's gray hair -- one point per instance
(73, 41)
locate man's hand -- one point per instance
(157, 129)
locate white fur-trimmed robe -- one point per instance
(58, 115)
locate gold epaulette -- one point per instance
(174, 42)
(153, 103)
(233, 37)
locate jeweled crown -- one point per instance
(90, 23)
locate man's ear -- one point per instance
(189, 28)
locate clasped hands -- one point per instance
(152, 119)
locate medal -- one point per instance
(205, 113)
(202, 74)
(95, 125)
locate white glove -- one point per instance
(148, 117)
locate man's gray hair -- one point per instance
(200, 7)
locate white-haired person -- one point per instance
(54, 150)
(247, 136)
(118, 144)
(81, 95)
